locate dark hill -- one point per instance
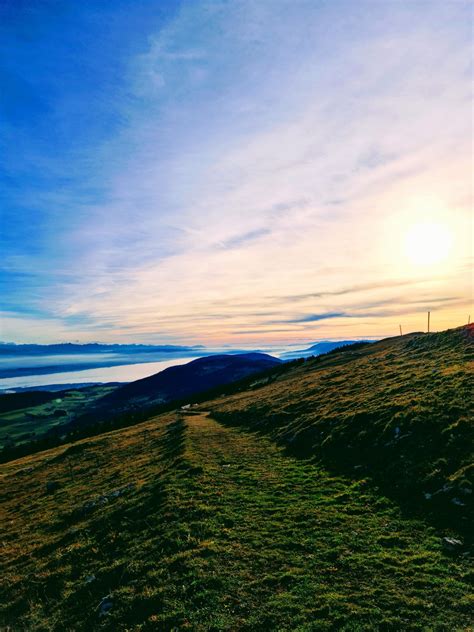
(178, 382)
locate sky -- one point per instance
(241, 173)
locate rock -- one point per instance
(89, 579)
(88, 506)
(103, 500)
(26, 470)
(446, 488)
(404, 436)
(451, 544)
(52, 486)
(105, 606)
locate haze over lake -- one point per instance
(120, 373)
(27, 371)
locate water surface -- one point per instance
(121, 373)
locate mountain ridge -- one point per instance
(193, 377)
(90, 347)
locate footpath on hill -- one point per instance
(289, 546)
(182, 523)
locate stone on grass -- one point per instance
(452, 544)
(105, 606)
(52, 486)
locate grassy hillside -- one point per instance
(399, 410)
(188, 522)
(182, 523)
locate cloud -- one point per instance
(240, 240)
(394, 308)
(355, 289)
(311, 318)
(243, 158)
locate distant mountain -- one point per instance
(10, 348)
(27, 360)
(178, 382)
(317, 349)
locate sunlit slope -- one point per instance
(184, 523)
(400, 409)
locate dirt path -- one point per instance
(182, 523)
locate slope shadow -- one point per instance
(436, 512)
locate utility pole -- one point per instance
(400, 327)
(469, 319)
(429, 322)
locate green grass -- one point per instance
(218, 531)
(19, 427)
(296, 505)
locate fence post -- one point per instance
(71, 472)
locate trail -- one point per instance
(285, 536)
(183, 523)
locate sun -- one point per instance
(428, 243)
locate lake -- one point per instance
(120, 373)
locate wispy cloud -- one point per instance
(215, 164)
(311, 318)
(356, 289)
(240, 240)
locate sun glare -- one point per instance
(428, 243)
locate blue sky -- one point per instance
(234, 172)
